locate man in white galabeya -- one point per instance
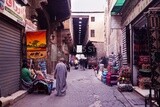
(60, 76)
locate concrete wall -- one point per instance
(141, 5)
(71, 28)
(100, 49)
(112, 30)
(115, 41)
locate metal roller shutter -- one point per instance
(9, 58)
(124, 48)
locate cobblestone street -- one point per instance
(84, 90)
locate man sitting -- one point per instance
(26, 77)
(33, 79)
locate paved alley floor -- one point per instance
(84, 90)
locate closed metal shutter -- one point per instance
(124, 48)
(9, 58)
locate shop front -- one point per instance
(11, 32)
(134, 37)
(141, 54)
(144, 51)
(141, 44)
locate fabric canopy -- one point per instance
(117, 7)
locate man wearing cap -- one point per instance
(60, 76)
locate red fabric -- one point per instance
(40, 77)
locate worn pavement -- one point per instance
(84, 90)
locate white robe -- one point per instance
(61, 75)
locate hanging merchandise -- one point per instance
(36, 45)
(153, 19)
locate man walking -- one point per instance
(60, 76)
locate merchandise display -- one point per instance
(112, 75)
(124, 75)
(144, 73)
(104, 75)
(112, 78)
(124, 80)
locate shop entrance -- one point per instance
(10, 53)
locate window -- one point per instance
(92, 19)
(92, 33)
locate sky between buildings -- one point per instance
(87, 5)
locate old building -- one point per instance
(14, 18)
(139, 47)
(112, 29)
(50, 16)
(92, 29)
(12, 25)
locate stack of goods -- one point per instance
(144, 82)
(103, 77)
(112, 76)
(144, 74)
(125, 87)
(125, 75)
(100, 70)
(124, 79)
(99, 75)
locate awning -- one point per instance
(117, 7)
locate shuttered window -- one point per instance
(92, 33)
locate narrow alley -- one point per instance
(120, 39)
(84, 90)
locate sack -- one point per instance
(54, 84)
(125, 87)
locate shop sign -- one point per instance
(137, 10)
(29, 26)
(13, 10)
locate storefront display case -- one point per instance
(144, 73)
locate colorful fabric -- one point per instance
(42, 65)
